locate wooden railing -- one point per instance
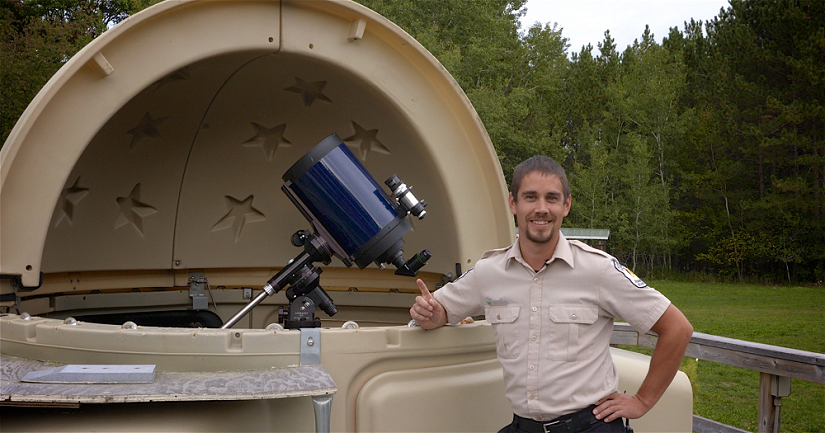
(776, 365)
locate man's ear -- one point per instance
(567, 204)
(512, 202)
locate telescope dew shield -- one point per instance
(346, 205)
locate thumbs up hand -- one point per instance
(427, 311)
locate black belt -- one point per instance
(570, 423)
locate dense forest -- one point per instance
(704, 155)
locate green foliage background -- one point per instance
(704, 155)
(789, 316)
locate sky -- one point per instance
(584, 21)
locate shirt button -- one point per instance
(535, 280)
(574, 317)
(532, 367)
(535, 309)
(533, 338)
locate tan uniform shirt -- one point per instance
(553, 327)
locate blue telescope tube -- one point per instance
(340, 195)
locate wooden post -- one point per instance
(771, 390)
(767, 411)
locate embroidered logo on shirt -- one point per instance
(629, 275)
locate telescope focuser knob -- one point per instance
(299, 238)
(405, 197)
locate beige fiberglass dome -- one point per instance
(161, 145)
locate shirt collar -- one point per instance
(563, 252)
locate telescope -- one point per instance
(352, 218)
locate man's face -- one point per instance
(540, 207)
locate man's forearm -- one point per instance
(674, 332)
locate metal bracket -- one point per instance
(780, 386)
(17, 281)
(13, 298)
(311, 355)
(197, 283)
(310, 346)
(15, 287)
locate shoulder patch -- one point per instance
(629, 275)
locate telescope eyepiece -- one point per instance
(410, 267)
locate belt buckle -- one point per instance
(566, 424)
(547, 426)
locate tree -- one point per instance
(38, 37)
(762, 88)
(513, 79)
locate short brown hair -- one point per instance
(542, 164)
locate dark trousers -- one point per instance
(617, 426)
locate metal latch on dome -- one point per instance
(310, 346)
(197, 284)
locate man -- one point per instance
(551, 303)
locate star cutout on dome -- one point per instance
(268, 139)
(132, 210)
(309, 91)
(147, 128)
(69, 198)
(365, 141)
(181, 74)
(240, 214)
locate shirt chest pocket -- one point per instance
(572, 332)
(503, 318)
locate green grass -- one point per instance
(791, 317)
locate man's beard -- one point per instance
(533, 237)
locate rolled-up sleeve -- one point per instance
(460, 298)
